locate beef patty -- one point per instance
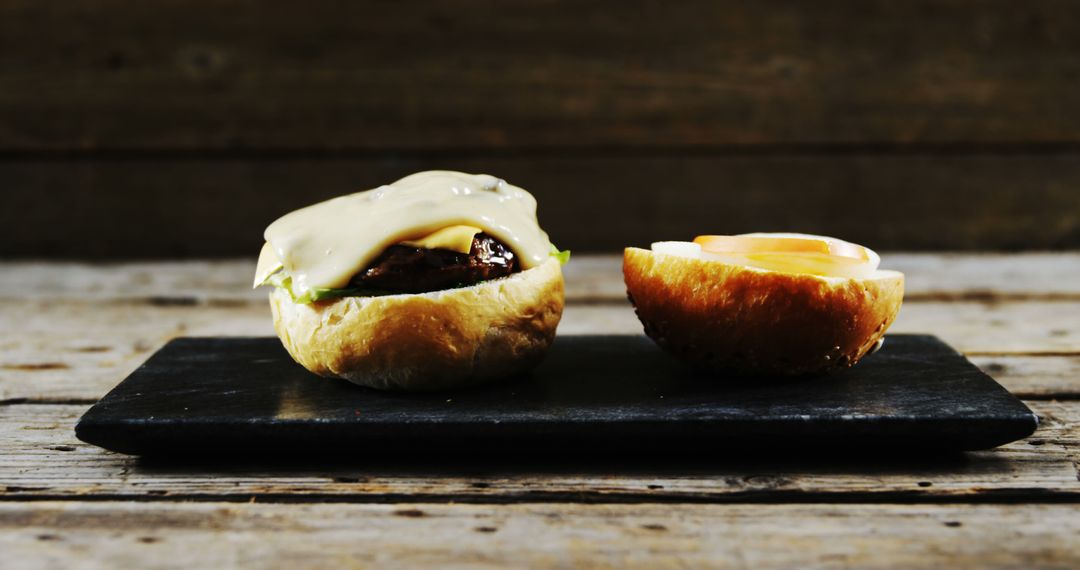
(407, 269)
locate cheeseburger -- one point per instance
(441, 279)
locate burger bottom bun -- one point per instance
(732, 318)
(427, 341)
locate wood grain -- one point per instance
(1035, 376)
(140, 535)
(68, 332)
(121, 208)
(43, 460)
(72, 331)
(474, 74)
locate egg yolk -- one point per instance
(791, 253)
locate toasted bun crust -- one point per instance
(427, 341)
(732, 318)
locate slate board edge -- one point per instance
(95, 430)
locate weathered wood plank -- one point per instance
(141, 535)
(987, 276)
(1035, 376)
(42, 459)
(436, 75)
(198, 208)
(589, 278)
(65, 349)
(992, 328)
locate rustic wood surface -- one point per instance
(179, 129)
(43, 460)
(921, 201)
(476, 74)
(565, 535)
(924, 125)
(70, 331)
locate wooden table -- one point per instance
(71, 331)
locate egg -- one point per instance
(783, 252)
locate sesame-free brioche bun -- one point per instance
(427, 341)
(732, 318)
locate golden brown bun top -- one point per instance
(727, 316)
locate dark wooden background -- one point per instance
(181, 128)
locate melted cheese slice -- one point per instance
(267, 266)
(453, 238)
(325, 244)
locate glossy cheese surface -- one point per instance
(325, 244)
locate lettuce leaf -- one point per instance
(282, 280)
(316, 294)
(563, 256)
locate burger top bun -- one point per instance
(733, 317)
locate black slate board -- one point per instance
(606, 393)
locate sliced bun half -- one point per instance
(427, 341)
(732, 318)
